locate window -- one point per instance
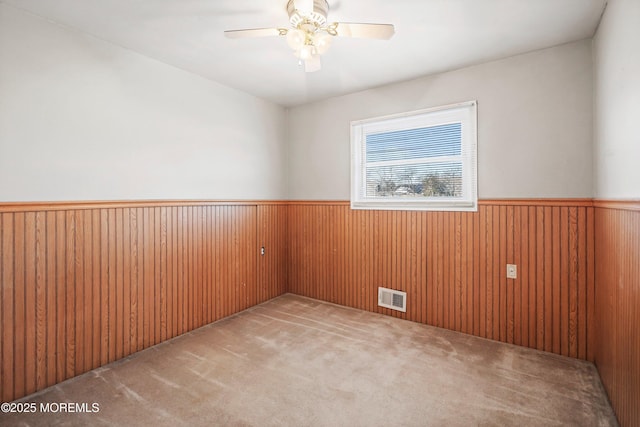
(423, 160)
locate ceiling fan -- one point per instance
(310, 34)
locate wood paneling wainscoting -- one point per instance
(617, 356)
(84, 284)
(453, 267)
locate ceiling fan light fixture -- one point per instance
(296, 38)
(306, 52)
(322, 42)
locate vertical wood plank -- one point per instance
(118, 302)
(71, 293)
(447, 269)
(156, 284)
(476, 276)
(564, 284)
(590, 291)
(180, 270)
(96, 288)
(30, 330)
(218, 262)
(171, 273)
(112, 273)
(518, 285)
(556, 284)
(457, 270)
(79, 266)
(226, 282)
(207, 264)
(499, 238)
(163, 272)
(87, 278)
(582, 283)
(509, 284)
(61, 308)
(501, 276)
(189, 276)
(9, 330)
(548, 253)
(19, 304)
(533, 278)
(484, 251)
(573, 283)
(147, 283)
(51, 292)
(126, 281)
(543, 271)
(104, 286)
(134, 330)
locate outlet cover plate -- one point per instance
(512, 271)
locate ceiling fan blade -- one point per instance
(366, 31)
(255, 32)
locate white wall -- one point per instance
(81, 119)
(534, 126)
(617, 101)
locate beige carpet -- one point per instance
(299, 362)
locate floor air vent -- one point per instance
(396, 300)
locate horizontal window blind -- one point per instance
(434, 141)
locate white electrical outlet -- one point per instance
(512, 271)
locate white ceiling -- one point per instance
(431, 36)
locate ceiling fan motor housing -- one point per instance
(299, 14)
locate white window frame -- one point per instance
(464, 113)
